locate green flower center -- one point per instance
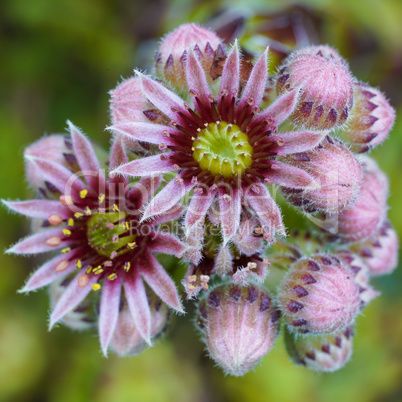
(223, 149)
(110, 232)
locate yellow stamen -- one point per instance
(116, 208)
(112, 277)
(89, 269)
(78, 214)
(101, 198)
(71, 222)
(96, 286)
(88, 211)
(66, 232)
(127, 266)
(83, 193)
(78, 264)
(66, 250)
(131, 245)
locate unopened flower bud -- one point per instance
(172, 53)
(129, 104)
(326, 87)
(239, 325)
(318, 294)
(55, 148)
(337, 174)
(366, 215)
(361, 274)
(323, 353)
(380, 252)
(79, 319)
(126, 340)
(372, 118)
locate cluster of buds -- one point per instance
(195, 176)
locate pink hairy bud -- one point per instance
(337, 174)
(369, 211)
(55, 148)
(371, 120)
(380, 252)
(239, 325)
(361, 274)
(323, 353)
(129, 104)
(127, 340)
(318, 294)
(326, 87)
(172, 53)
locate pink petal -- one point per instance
(231, 72)
(63, 179)
(36, 243)
(118, 154)
(245, 241)
(229, 208)
(282, 108)
(147, 132)
(254, 90)
(71, 298)
(297, 141)
(199, 205)
(138, 302)
(160, 96)
(109, 311)
(168, 216)
(196, 79)
(87, 159)
(159, 280)
(265, 207)
(41, 209)
(168, 197)
(290, 176)
(151, 165)
(47, 274)
(166, 243)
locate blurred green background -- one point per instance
(58, 60)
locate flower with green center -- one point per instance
(95, 223)
(222, 146)
(223, 150)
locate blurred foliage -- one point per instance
(59, 59)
